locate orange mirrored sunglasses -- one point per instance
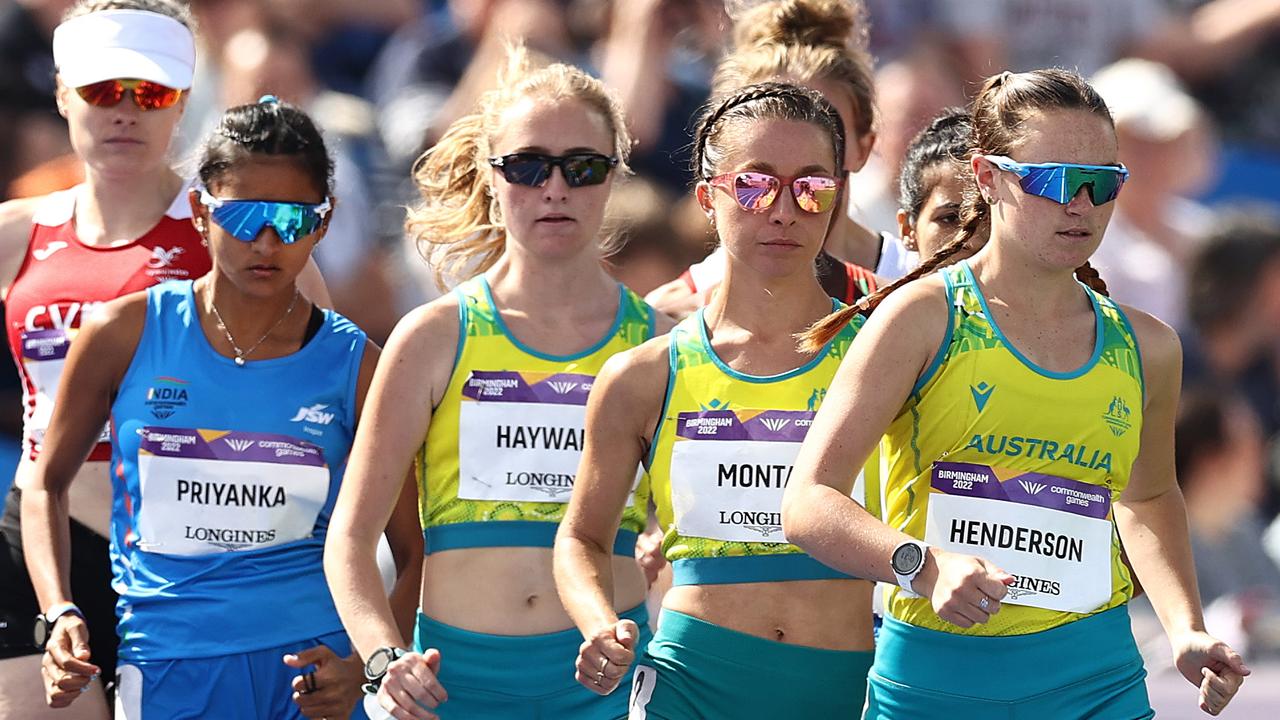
(147, 95)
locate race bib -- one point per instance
(44, 353)
(520, 435)
(212, 491)
(1052, 533)
(729, 470)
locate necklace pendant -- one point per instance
(239, 361)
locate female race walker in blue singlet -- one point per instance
(233, 403)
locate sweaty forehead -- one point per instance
(551, 125)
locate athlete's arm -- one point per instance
(95, 365)
(15, 233)
(674, 299)
(873, 383)
(334, 687)
(622, 411)
(1152, 520)
(409, 381)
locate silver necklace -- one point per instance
(242, 354)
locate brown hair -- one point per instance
(999, 111)
(457, 224)
(806, 40)
(761, 101)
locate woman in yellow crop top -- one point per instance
(484, 392)
(1026, 418)
(753, 627)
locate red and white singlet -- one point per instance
(62, 281)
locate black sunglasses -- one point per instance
(534, 169)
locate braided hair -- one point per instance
(999, 112)
(761, 101)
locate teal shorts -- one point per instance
(518, 677)
(245, 685)
(695, 670)
(1086, 669)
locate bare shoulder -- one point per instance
(1157, 342)
(638, 374)
(431, 328)
(918, 308)
(111, 334)
(673, 299)
(15, 229)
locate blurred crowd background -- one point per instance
(1194, 86)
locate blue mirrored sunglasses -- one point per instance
(245, 219)
(1060, 182)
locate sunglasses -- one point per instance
(245, 219)
(147, 95)
(534, 169)
(756, 192)
(1060, 182)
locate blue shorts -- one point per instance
(246, 685)
(519, 677)
(1086, 669)
(695, 670)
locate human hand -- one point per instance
(332, 689)
(410, 689)
(965, 590)
(1212, 665)
(603, 658)
(65, 667)
(649, 554)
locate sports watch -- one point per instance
(375, 668)
(907, 561)
(46, 621)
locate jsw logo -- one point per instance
(775, 424)
(314, 414)
(56, 320)
(239, 445)
(564, 388)
(1032, 488)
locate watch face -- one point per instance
(41, 631)
(907, 559)
(378, 663)
(380, 660)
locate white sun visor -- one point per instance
(124, 44)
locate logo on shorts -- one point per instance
(166, 396)
(1117, 417)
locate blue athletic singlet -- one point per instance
(225, 478)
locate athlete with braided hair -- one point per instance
(753, 627)
(1026, 418)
